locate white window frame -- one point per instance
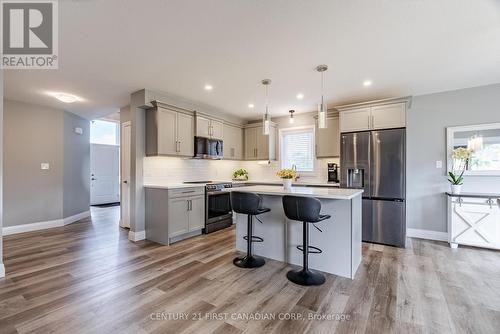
(118, 130)
(298, 128)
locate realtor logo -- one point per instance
(29, 34)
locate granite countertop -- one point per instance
(317, 192)
(476, 195)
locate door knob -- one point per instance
(93, 179)
(125, 181)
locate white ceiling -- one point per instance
(110, 48)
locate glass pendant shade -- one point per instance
(266, 124)
(322, 109)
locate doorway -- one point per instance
(104, 162)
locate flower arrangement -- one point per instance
(240, 174)
(460, 158)
(287, 173)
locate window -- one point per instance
(104, 132)
(297, 148)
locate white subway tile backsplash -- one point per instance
(172, 169)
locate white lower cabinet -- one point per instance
(174, 214)
(474, 222)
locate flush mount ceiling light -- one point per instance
(300, 96)
(250, 105)
(322, 108)
(291, 120)
(367, 83)
(208, 87)
(66, 98)
(266, 119)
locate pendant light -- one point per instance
(475, 143)
(322, 108)
(266, 119)
(291, 120)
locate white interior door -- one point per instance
(125, 184)
(104, 174)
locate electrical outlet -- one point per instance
(439, 164)
(44, 166)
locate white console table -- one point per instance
(474, 220)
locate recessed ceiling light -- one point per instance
(250, 105)
(300, 96)
(66, 98)
(208, 87)
(367, 83)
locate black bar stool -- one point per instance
(306, 210)
(249, 204)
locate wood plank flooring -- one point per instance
(88, 278)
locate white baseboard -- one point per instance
(136, 236)
(2, 270)
(77, 217)
(8, 230)
(426, 234)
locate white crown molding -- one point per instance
(8, 230)
(136, 236)
(426, 234)
(2, 270)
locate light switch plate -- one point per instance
(439, 164)
(44, 165)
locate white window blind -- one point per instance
(297, 148)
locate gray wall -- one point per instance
(33, 134)
(428, 119)
(76, 166)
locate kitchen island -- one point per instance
(340, 240)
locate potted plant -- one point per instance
(460, 158)
(287, 174)
(240, 175)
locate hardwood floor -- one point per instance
(88, 278)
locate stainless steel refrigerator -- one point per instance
(376, 162)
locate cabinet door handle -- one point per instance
(373, 121)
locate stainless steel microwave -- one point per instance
(206, 148)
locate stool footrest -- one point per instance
(310, 249)
(254, 239)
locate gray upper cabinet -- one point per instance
(169, 132)
(385, 114)
(233, 142)
(209, 127)
(259, 146)
(328, 140)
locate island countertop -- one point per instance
(317, 192)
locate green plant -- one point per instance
(240, 173)
(456, 179)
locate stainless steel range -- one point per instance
(218, 211)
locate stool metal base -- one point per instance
(249, 262)
(305, 277)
